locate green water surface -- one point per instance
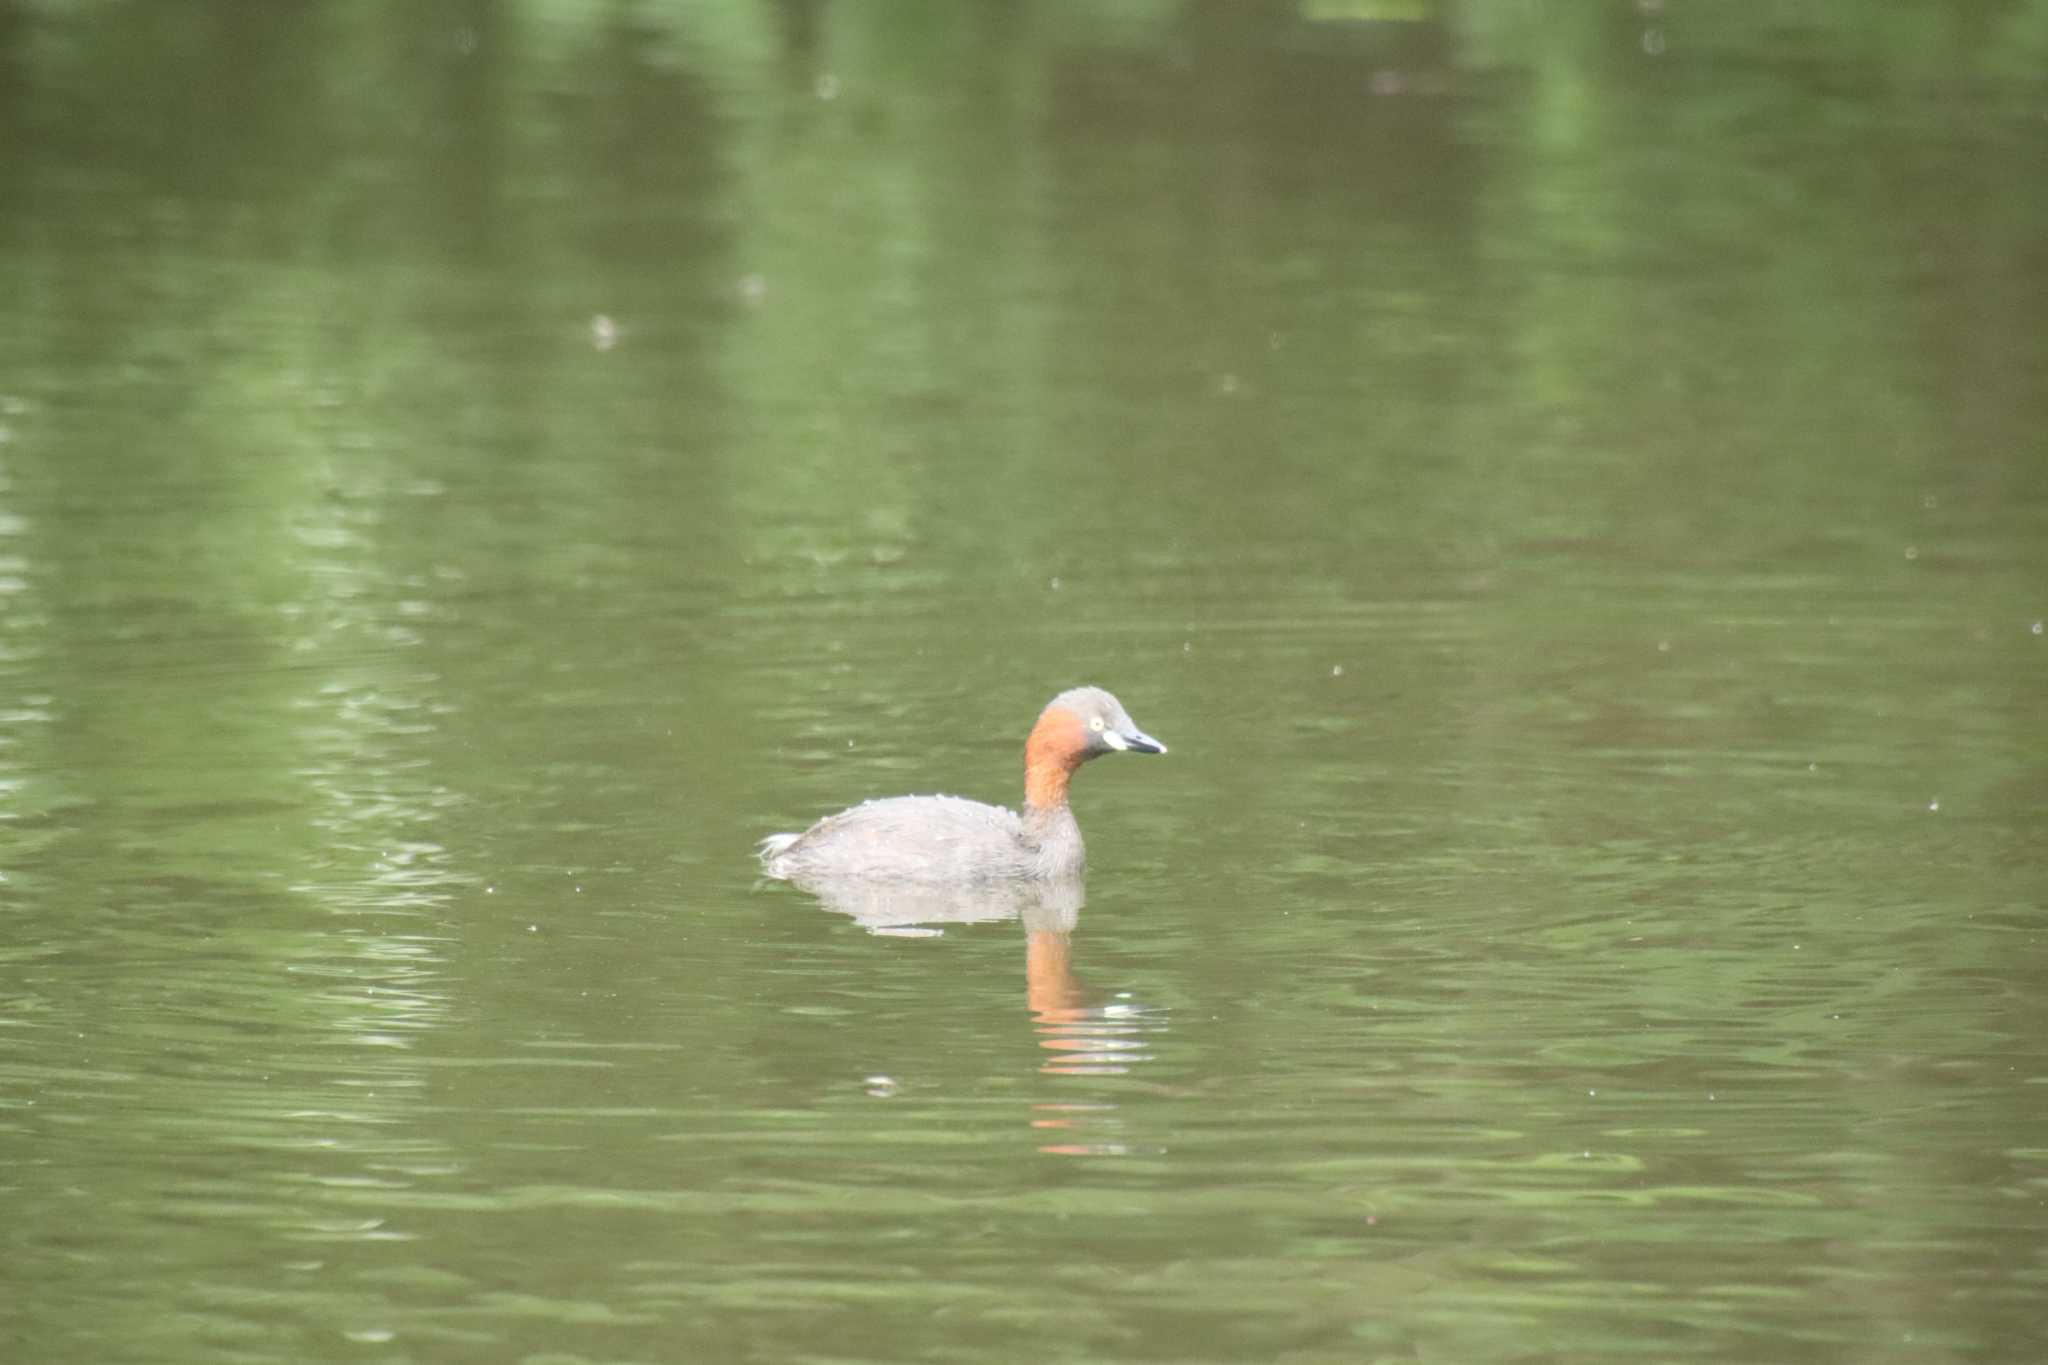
(1567, 481)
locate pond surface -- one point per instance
(1568, 483)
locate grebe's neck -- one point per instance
(1051, 753)
(1057, 746)
(1053, 838)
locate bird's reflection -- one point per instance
(1084, 1040)
(905, 909)
(1079, 1038)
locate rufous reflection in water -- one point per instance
(1085, 1040)
(1079, 1039)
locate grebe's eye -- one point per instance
(1095, 724)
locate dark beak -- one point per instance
(1134, 742)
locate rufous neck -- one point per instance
(1050, 756)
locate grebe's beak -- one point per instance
(1133, 741)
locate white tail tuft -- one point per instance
(773, 847)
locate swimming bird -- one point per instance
(950, 839)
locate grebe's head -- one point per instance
(1088, 721)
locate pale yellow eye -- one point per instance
(1095, 724)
